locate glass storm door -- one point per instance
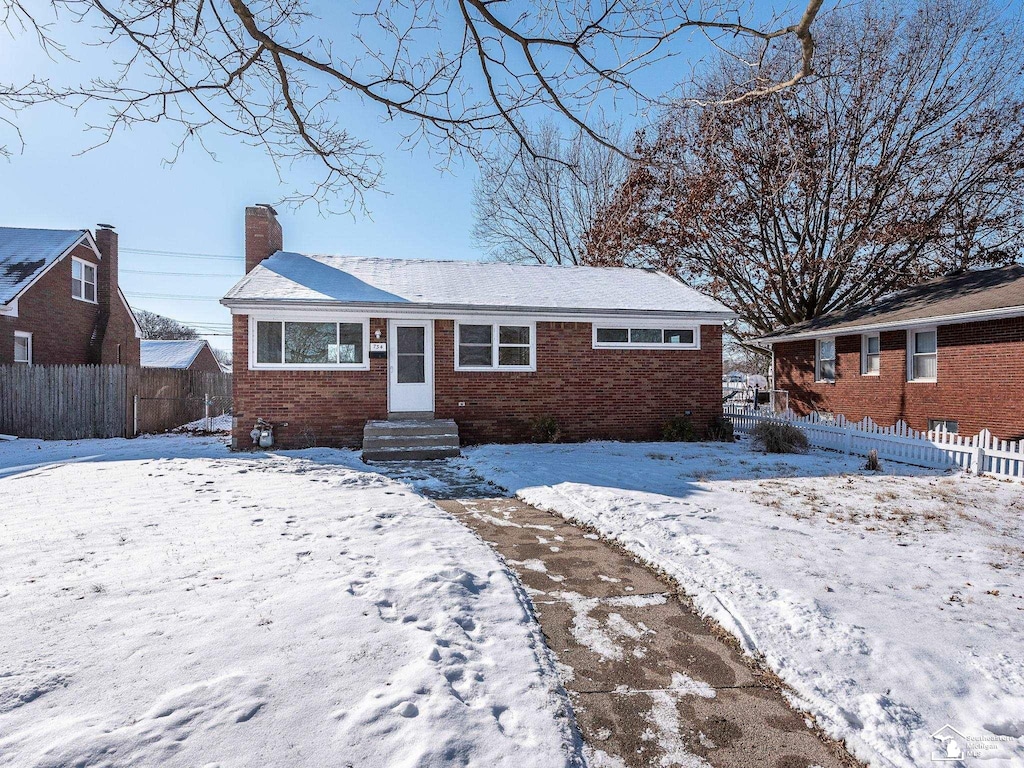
(411, 365)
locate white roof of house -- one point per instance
(296, 279)
(176, 353)
(26, 253)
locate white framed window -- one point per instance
(83, 280)
(944, 425)
(23, 347)
(313, 344)
(636, 336)
(503, 345)
(922, 355)
(870, 354)
(825, 360)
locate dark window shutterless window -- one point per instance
(495, 346)
(309, 344)
(650, 338)
(475, 345)
(513, 345)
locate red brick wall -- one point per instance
(121, 333)
(980, 381)
(621, 394)
(205, 361)
(321, 407)
(61, 326)
(591, 393)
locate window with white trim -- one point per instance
(626, 337)
(870, 354)
(83, 280)
(825, 360)
(922, 355)
(310, 344)
(944, 425)
(23, 347)
(495, 346)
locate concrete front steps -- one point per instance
(410, 440)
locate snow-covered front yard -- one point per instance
(164, 602)
(892, 603)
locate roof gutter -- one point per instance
(960, 317)
(411, 309)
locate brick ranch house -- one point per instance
(326, 343)
(180, 354)
(947, 354)
(60, 302)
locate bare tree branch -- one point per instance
(452, 74)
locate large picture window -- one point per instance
(922, 355)
(825, 360)
(625, 337)
(495, 346)
(304, 344)
(83, 280)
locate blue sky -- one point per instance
(196, 205)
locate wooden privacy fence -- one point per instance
(75, 402)
(168, 398)
(64, 402)
(980, 454)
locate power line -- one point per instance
(182, 254)
(182, 274)
(175, 296)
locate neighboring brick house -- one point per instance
(180, 354)
(947, 354)
(59, 299)
(326, 343)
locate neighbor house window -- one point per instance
(943, 425)
(624, 337)
(23, 347)
(310, 344)
(870, 355)
(495, 346)
(825, 360)
(83, 280)
(922, 354)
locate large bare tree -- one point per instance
(286, 74)
(902, 158)
(539, 208)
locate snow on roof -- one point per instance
(25, 253)
(294, 278)
(176, 353)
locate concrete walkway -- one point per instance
(650, 682)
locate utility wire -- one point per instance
(175, 296)
(182, 274)
(183, 254)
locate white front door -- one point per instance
(411, 365)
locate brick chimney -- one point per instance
(106, 287)
(263, 235)
(106, 241)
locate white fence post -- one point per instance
(978, 456)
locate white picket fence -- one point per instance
(981, 454)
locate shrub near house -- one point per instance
(325, 343)
(948, 354)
